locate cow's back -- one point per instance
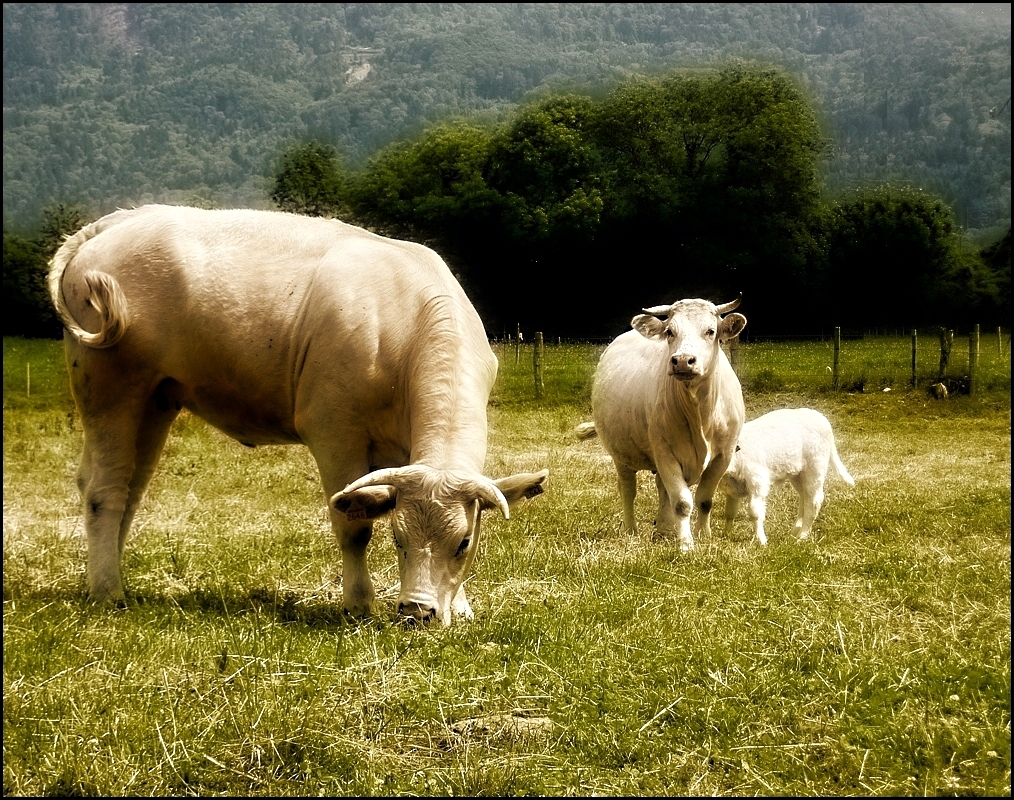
(248, 310)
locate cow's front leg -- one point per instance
(675, 502)
(706, 492)
(358, 595)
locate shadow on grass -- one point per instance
(287, 606)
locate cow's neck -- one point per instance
(689, 404)
(448, 389)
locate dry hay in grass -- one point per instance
(514, 726)
(520, 591)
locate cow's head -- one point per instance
(435, 516)
(693, 331)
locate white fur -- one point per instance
(792, 444)
(666, 399)
(281, 329)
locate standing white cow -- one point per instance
(665, 398)
(791, 444)
(278, 329)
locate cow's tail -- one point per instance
(586, 430)
(839, 466)
(104, 293)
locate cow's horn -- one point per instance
(657, 311)
(414, 475)
(725, 308)
(490, 492)
(399, 477)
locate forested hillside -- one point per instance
(117, 104)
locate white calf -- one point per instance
(793, 444)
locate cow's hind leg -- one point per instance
(627, 479)
(104, 480)
(161, 410)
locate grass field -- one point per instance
(872, 659)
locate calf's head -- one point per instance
(435, 517)
(693, 331)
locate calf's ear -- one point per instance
(524, 485)
(730, 326)
(650, 327)
(367, 503)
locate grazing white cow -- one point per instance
(665, 398)
(792, 444)
(281, 329)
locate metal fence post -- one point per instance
(537, 364)
(973, 358)
(837, 357)
(915, 349)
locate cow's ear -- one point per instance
(730, 326)
(367, 503)
(521, 486)
(650, 327)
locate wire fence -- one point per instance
(563, 369)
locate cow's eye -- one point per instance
(710, 332)
(463, 546)
(668, 333)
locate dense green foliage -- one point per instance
(118, 104)
(28, 310)
(903, 239)
(691, 184)
(703, 182)
(309, 181)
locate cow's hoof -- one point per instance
(107, 597)
(362, 609)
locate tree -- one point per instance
(28, 310)
(711, 180)
(696, 183)
(997, 258)
(893, 256)
(310, 181)
(546, 173)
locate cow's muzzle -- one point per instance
(683, 367)
(414, 612)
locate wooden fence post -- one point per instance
(537, 364)
(915, 349)
(734, 354)
(946, 341)
(517, 347)
(973, 358)
(999, 340)
(837, 355)
(28, 379)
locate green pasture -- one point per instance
(872, 659)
